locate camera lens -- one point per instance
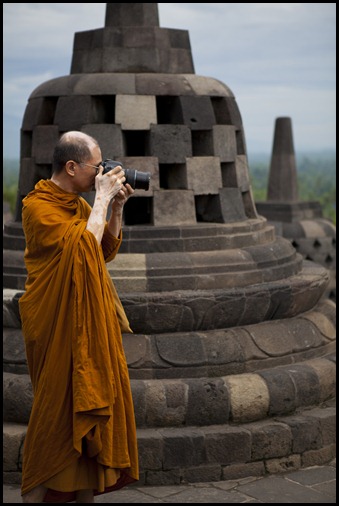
(138, 180)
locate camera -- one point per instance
(138, 180)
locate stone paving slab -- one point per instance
(316, 484)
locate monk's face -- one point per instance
(84, 175)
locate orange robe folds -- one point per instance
(82, 427)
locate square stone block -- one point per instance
(241, 142)
(224, 142)
(197, 112)
(39, 111)
(170, 143)
(174, 61)
(232, 205)
(105, 85)
(204, 175)
(87, 61)
(227, 111)
(13, 438)
(135, 112)
(173, 207)
(109, 137)
(123, 14)
(75, 111)
(242, 174)
(178, 38)
(145, 36)
(117, 59)
(83, 41)
(44, 140)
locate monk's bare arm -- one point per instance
(115, 221)
(107, 187)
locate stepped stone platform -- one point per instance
(232, 361)
(216, 452)
(265, 390)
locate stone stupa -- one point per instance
(300, 221)
(231, 360)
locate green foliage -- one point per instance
(9, 195)
(10, 183)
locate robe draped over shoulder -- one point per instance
(72, 323)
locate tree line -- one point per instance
(316, 181)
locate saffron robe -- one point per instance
(72, 322)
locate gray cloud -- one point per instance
(278, 59)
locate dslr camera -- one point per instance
(138, 180)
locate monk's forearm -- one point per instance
(115, 222)
(107, 186)
(97, 219)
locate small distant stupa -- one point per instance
(301, 222)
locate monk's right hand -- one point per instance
(109, 184)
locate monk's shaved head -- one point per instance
(74, 146)
(76, 136)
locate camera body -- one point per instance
(138, 180)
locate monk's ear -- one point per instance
(70, 168)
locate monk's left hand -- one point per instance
(121, 198)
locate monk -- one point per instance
(81, 438)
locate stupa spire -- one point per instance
(132, 41)
(128, 14)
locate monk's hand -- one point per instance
(110, 184)
(121, 198)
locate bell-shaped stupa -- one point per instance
(231, 360)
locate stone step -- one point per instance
(235, 398)
(207, 354)
(172, 455)
(13, 242)
(146, 239)
(200, 310)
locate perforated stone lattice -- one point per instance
(184, 129)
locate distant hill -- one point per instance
(326, 155)
(10, 171)
(12, 165)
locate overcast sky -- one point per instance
(277, 58)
